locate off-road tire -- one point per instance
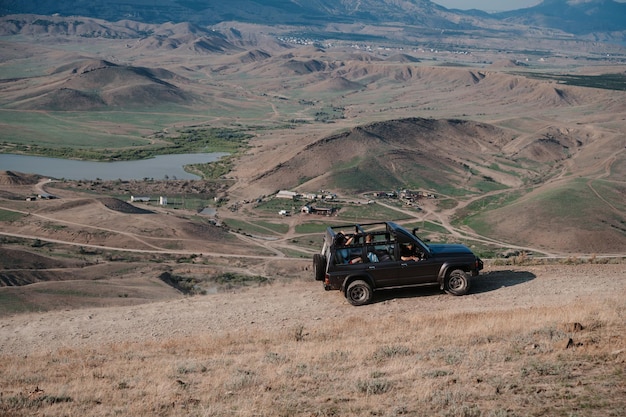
(319, 267)
(359, 293)
(457, 282)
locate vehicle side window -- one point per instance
(340, 256)
(380, 252)
(348, 254)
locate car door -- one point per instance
(416, 272)
(381, 265)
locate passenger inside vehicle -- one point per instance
(408, 252)
(348, 251)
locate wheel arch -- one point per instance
(448, 267)
(354, 277)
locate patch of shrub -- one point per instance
(186, 285)
(373, 386)
(386, 352)
(232, 280)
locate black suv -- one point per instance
(362, 258)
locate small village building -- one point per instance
(324, 211)
(290, 195)
(139, 199)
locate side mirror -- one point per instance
(415, 230)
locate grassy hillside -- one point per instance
(579, 215)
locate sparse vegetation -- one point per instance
(615, 81)
(364, 212)
(485, 363)
(311, 227)
(258, 227)
(188, 141)
(10, 216)
(194, 285)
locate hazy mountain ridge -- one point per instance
(573, 17)
(214, 11)
(577, 17)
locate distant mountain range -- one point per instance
(579, 17)
(573, 16)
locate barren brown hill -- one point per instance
(402, 58)
(20, 267)
(252, 56)
(306, 67)
(334, 84)
(410, 153)
(94, 84)
(183, 43)
(38, 25)
(17, 178)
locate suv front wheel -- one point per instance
(359, 292)
(457, 282)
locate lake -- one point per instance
(158, 168)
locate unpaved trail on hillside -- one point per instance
(464, 234)
(303, 304)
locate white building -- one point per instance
(142, 199)
(291, 195)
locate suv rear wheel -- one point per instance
(457, 282)
(359, 293)
(319, 266)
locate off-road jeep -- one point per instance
(359, 259)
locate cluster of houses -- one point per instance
(292, 195)
(42, 196)
(309, 208)
(408, 197)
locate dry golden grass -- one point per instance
(515, 362)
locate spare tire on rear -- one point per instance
(319, 266)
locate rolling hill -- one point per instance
(407, 153)
(96, 84)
